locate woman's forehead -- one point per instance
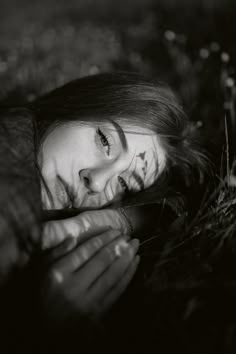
(129, 128)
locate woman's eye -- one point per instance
(123, 184)
(104, 141)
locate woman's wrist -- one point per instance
(129, 226)
(141, 219)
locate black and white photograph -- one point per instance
(117, 176)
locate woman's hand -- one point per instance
(91, 277)
(82, 226)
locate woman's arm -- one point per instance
(142, 219)
(133, 220)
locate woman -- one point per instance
(103, 143)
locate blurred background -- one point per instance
(189, 43)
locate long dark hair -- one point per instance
(132, 99)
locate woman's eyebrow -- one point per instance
(121, 134)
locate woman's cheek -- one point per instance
(114, 192)
(90, 155)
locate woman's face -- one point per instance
(89, 166)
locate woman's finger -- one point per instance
(120, 287)
(52, 234)
(59, 251)
(82, 253)
(113, 274)
(88, 274)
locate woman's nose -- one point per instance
(94, 179)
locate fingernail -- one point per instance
(120, 247)
(58, 276)
(134, 245)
